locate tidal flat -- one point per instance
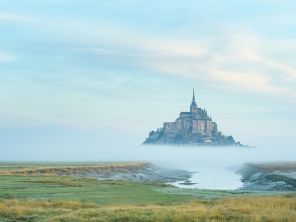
(100, 192)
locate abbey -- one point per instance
(193, 127)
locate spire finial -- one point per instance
(193, 96)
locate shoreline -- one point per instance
(269, 176)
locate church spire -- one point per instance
(193, 106)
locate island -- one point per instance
(194, 127)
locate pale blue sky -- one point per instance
(70, 66)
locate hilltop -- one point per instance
(193, 127)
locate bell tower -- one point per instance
(193, 106)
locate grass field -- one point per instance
(48, 197)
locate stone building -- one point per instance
(193, 127)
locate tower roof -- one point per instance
(193, 103)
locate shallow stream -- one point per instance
(212, 178)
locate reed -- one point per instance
(276, 208)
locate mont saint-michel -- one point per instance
(194, 127)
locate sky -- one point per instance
(83, 74)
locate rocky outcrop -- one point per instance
(146, 173)
(269, 176)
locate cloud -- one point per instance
(10, 17)
(236, 58)
(245, 81)
(7, 57)
(237, 61)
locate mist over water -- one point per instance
(215, 166)
(212, 167)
